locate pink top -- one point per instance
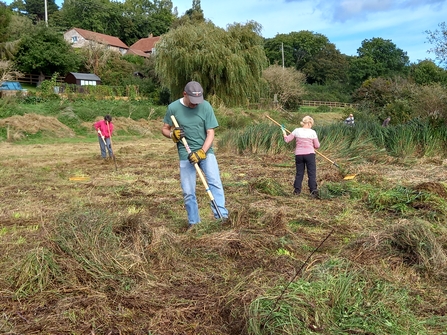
(102, 125)
(306, 140)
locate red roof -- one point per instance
(101, 38)
(137, 52)
(145, 44)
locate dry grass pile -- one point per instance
(141, 127)
(19, 126)
(408, 242)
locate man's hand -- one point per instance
(283, 129)
(197, 156)
(177, 134)
(99, 132)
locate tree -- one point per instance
(328, 65)
(46, 51)
(286, 83)
(5, 20)
(142, 18)
(19, 26)
(95, 57)
(431, 101)
(388, 60)
(299, 48)
(439, 39)
(192, 16)
(228, 63)
(8, 71)
(35, 9)
(427, 72)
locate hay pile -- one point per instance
(19, 126)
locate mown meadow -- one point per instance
(90, 247)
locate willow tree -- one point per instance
(228, 63)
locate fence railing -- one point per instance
(327, 103)
(34, 79)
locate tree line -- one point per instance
(235, 64)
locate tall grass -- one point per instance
(365, 141)
(259, 138)
(336, 298)
(89, 238)
(34, 273)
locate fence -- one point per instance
(34, 79)
(327, 103)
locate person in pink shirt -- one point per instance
(105, 130)
(306, 142)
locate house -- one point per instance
(79, 38)
(82, 79)
(144, 47)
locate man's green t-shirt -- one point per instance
(195, 122)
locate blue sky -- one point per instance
(346, 23)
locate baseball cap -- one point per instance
(195, 92)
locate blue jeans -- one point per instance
(103, 146)
(188, 182)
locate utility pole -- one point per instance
(46, 13)
(282, 51)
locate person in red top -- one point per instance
(105, 130)
(306, 143)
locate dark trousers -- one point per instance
(303, 162)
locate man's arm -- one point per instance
(166, 130)
(209, 140)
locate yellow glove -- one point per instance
(195, 157)
(177, 134)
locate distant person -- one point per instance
(306, 143)
(350, 120)
(105, 130)
(386, 122)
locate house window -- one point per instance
(74, 39)
(88, 82)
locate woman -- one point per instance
(105, 130)
(306, 142)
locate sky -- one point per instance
(346, 23)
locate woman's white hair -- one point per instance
(307, 119)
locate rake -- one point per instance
(345, 176)
(111, 148)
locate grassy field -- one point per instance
(90, 247)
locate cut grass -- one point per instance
(111, 255)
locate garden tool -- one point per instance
(111, 149)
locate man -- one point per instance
(197, 121)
